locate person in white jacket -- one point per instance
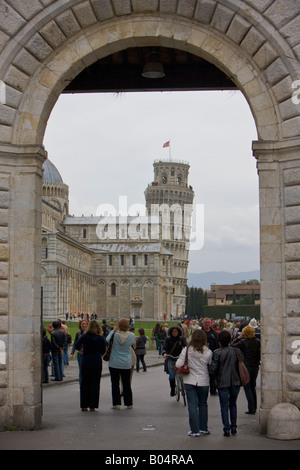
(196, 383)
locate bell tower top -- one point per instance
(170, 185)
(171, 173)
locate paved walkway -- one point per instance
(157, 424)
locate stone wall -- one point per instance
(20, 318)
(291, 181)
(67, 279)
(78, 33)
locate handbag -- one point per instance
(243, 371)
(185, 368)
(106, 355)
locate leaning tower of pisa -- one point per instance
(171, 197)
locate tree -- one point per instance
(247, 300)
(251, 282)
(196, 300)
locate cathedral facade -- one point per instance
(132, 266)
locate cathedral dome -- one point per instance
(51, 173)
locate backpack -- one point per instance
(106, 330)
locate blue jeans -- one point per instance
(171, 367)
(52, 367)
(250, 389)
(46, 361)
(57, 365)
(228, 397)
(66, 355)
(197, 407)
(140, 357)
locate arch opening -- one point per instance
(113, 290)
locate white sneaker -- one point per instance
(202, 433)
(115, 407)
(190, 433)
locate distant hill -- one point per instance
(204, 280)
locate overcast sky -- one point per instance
(104, 146)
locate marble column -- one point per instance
(278, 166)
(20, 285)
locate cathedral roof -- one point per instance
(140, 247)
(95, 220)
(51, 173)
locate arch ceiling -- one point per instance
(45, 44)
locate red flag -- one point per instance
(167, 144)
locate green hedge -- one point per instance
(219, 311)
(147, 325)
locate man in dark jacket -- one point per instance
(224, 367)
(173, 345)
(105, 328)
(212, 342)
(58, 339)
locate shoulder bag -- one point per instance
(106, 355)
(185, 368)
(243, 371)
(166, 368)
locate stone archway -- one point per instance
(257, 45)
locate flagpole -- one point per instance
(168, 144)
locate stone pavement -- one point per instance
(156, 426)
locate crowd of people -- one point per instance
(91, 341)
(212, 360)
(214, 366)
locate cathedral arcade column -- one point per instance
(278, 166)
(20, 285)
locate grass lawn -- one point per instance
(147, 325)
